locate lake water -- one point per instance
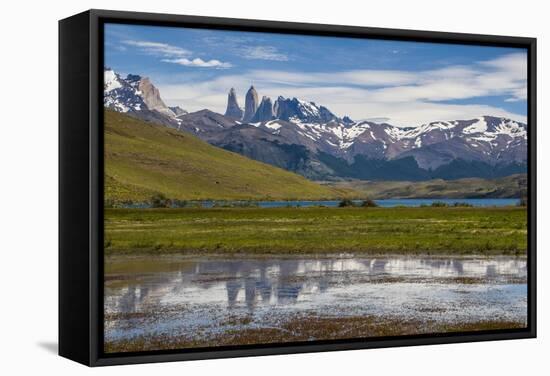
(200, 298)
(413, 202)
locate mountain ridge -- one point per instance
(307, 133)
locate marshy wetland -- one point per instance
(170, 301)
(202, 277)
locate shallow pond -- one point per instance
(205, 297)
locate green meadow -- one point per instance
(430, 230)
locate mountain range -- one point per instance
(309, 139)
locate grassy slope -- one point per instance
(142, 159)
(514, 186)
(296, 230)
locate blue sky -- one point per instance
(406, 83)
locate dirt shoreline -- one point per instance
(320, 255)
(307, 329)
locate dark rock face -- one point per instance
(250, 104)
(133, 79)
(347, 120)
(178, 111)
(286, 108)
(264, 111)
(233, 111)
(326, 115)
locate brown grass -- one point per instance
(308, 328)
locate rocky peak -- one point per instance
(151, 96)
(119, 94)
(296, 109)
(250, 104)
(347, 120)
(264, 111)
(233, 110)
(134, 94)
(326, 115)
(133, 79)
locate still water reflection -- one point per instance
(205, 296)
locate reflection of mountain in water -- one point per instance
(260, 285)
(288, 281)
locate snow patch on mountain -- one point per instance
(511, 128)
(479, 126)
(273, 125)
(111, 81)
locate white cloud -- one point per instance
(197, 62)
(175, 54)
(516, 62)
(502, 76)
(353, 77)
(246, 47)
(407, 98)
(263, 53)
(156, 48)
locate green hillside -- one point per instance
(142, 159)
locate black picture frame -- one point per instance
(81, 185)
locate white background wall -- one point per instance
(28, 185)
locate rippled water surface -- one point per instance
(202, 297)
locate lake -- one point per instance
(387, 203)
(177, 301)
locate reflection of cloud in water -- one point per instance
(287, 281)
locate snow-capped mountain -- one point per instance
(487, 138)
(300, 111)
(492, 141)
(308, 138)
(121, 95)
(137, 96)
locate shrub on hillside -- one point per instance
(159, 200)
(345, 203)
(462, 205)
(368, 203)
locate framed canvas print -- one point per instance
(238, 187)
